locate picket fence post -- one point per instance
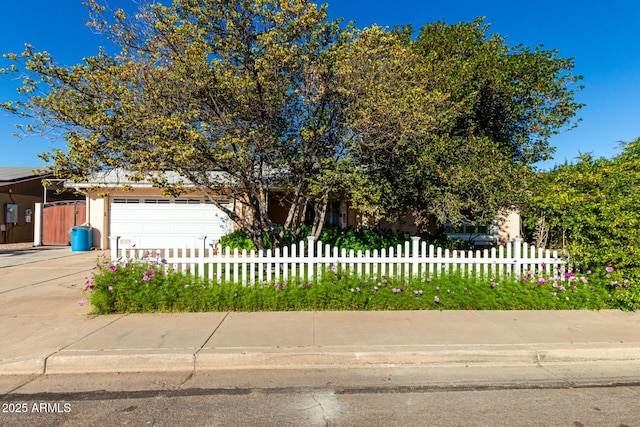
(517, 253)
(113, 245)
(310, 257)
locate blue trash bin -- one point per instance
(81, 238)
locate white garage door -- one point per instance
(150, 223)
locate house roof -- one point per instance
(119, 177)
(14, 174)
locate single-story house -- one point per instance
(139, 215)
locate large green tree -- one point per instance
(451, 121)
(238, 87)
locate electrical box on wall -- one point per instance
(10, 213)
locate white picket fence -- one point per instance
(311, 260)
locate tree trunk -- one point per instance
(320, 211)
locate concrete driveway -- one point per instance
(13, 255)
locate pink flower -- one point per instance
(493, 284)
(113, 268)
(584, 279)
(110, 288)
(81, 303)
(436, 299)
(609, 269)
(146, 278)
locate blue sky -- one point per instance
(603, 37)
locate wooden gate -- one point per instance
(58, 218)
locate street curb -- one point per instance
(373, 356)
(25, 366)
(125, 361)
(463, 355)
(581, 353)
(188, 360)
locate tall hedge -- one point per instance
(591, 209)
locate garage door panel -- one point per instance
(150, 225)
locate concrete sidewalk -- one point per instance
(44, 330)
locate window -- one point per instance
(126, 200)
(466, 228)
(332, 215)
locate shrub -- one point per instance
(590, 209)
(362, 238)
(237, 239)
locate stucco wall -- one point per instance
(509, 227)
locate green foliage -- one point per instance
(149, 288)
(361, 238)
(451, 120)
(237, 239)
(590, 209)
